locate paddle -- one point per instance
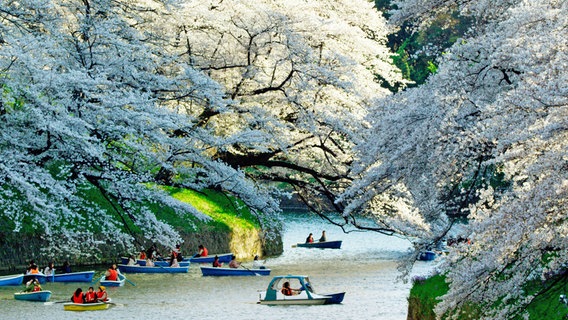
(99, 279)
(54, 302)
(132, 283)
(256, 274)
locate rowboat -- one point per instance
(70, 306)
(427, 255)
(144, 269)
(41, 278)
(42, 296)
(162, 263)
(11, 280)
(223, 257)
(113, 283)
(211, 271)
(336, 244)
(84, 276)
(305, 296)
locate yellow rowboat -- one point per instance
(70, 306)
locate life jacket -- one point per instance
(34, 271)
(36, 288)
(90, 297)
(113, 275)
(77, 299)
(205, 253)
(100, 295)
(142, 256)
(287, 291)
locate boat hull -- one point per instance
(12, 280)
(220, 272)
(286, 302)
(322, 245)
(41, 296)
(224, 257)
(69, 306)
(113, 283)
(84, 276)
(427, 256)
(41, 278)
(334, 298)
(157, 269)
(167, 263)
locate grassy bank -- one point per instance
(425, 293)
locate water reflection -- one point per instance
(365, 267)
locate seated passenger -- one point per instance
(287, 291)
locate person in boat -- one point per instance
(50, 269)
(173, 261)
(112, 273)
(176, 251)
(142, 255)
(102, 294)
(152, 252)
(256, 263)
(32, 286)
(91, 296)
(32, 268)
(310, 238)
(234, 263)
(287, 291)
(78, 296)
(202, 252)
(149, 263)
(131, 261)
(323, 237)
(216, 263)
(66, 267)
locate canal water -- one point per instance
(365, 268)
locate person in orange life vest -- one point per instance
(203, 252)
(177, 250)
(112, 273)
(287, 291)
(102, 294)
(78, 296)
(216, 263)
(32, 268)
(91, 296)
(142, 255)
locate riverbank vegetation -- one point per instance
(426, 293)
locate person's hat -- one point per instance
(102, 288)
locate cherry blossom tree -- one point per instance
(498, 106)
(119, 97)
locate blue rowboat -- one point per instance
(12, 280)
(211, 271)
(113, 283)
(223, 257)
(41, 278)
(83, 276)
(42, 296)
(336, 244)
(144, 269)
(165, 263)
(427, 256)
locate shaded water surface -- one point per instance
(365, 267)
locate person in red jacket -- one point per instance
(203, 252)
(112, 273)
(91, 296)
(78, 296)
(102, 294)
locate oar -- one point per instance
(54, 302)
(99, 279)
(132, 283)
(256, 274)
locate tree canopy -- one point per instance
(488, 128)
(120, 97)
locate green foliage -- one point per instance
(425, 293)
